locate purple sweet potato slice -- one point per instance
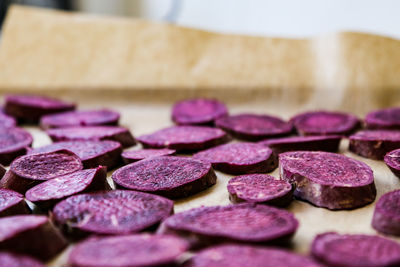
(386, 217)
(29, 108)
(328, 180)
(325, 123)
(392, 160)
(80, 118)
(388, 118)
(130, 251)
(254, 127)
(374, 144)
(260, 188)
(246, 223)
(8, 259)
(198, 111)
(13, 143)
(47, 194)
(168, 176)
(92, 153)
(329, 143)
(239, 158)
(111, 212)
(12, 203)
(32, 235)
(184, 138)
(94, 133)
(355, 250)
(235, 255)
(131, 156)
(7, 121)
(29, 170)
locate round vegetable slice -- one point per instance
(328, 180)
(30, 170)
(247, 222)
(355, 250)
(260, 188)
(12, 203)
(172, 177)
(234, 255)
(325, 123)
(80, 118)
(374, 144)
(239, 158)
(388, 118)
(329, 143)
(129, 251)
(8, 259)
(184, 138)
(386, 217)
(131, 156)
(92, 153)
(29, 108)
(48, 193)
(94, 133)
(13, 143)
(111, 212)
(198, 111)
(33, 235)
(7, 121)
(253, 126)
(392, 160)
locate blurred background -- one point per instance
(285, 18)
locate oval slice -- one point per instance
(80, 118)
(260, 188)
(329, 143)
(355, 250)
(325, 123)
(47, 194)
(386, 217)
(172, 177)
(7, 121)
(234, 255)
(30, 170)
(13, 143)
(111, 212)
(247, 222)
(254, 127)
(12, 203)
(392, 160)
(131, 156)
(94, 133)
(374, 144)
(198, 111)
(183, 138)
(92, 153)
(328, 180)
(129, 251)
(388, 118)
(29, 108)
(8, 259)
(32, 235)
(239, 158)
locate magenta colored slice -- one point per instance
(328, 180)
(128, 250)
(13, 143)
(92, 153)
(12, 203)
(386, 217)
(171, 177)
(183, 138)
(239, 158)
(355, 250)
(198, 111)
(8, 259)
(93, 133)
(260, 188)
(7, 121)
(235, 255)
(111, 212)
(388, 118)
(131, 156)
(247, 223)
(80, 118)
(325, 123)
(392, 160)
(254, 127)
